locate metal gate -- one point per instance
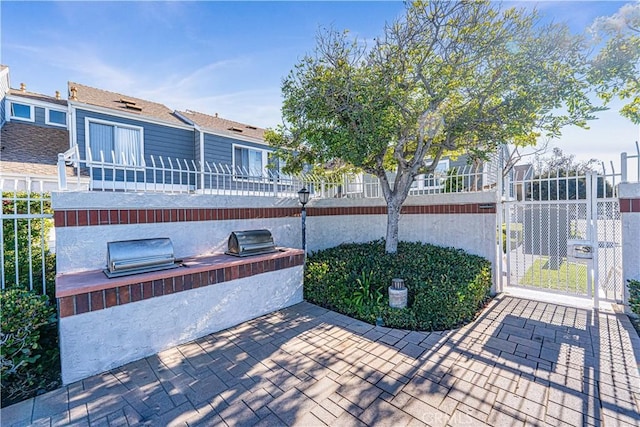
(562, 233)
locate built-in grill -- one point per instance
(139, 256)
(250, 242)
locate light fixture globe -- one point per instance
(303, 196)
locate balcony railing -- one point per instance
(170, 175)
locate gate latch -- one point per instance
(579, 249)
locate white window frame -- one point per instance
(47, 117)
(439, 177)
(87, 141)
(32, 112)
(265, 161)
(281, 165)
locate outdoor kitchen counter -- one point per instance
(193, 272)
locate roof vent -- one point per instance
(235, 129)
(251, 127)
(132, 107)
(73, 93)
(216, 115)
(127, 101)
(23, 87)
(57, 94)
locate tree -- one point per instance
(616, 68)
(447, 77)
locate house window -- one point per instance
(55, 117)
(275, 166)
(115, 143)
(249, 161)
(22, 111)
(432, 181)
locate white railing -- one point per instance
(26, 234)
(170, 175)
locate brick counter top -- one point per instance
(193, 272)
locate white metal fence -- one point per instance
(27, 234)
(170, 175)
(546, 215)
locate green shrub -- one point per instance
(634, 296)
(446, 286)
(30, 357)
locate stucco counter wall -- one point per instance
(99, 340)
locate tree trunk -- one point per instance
(394, 198)
(393, 219)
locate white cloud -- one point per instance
(81, 62)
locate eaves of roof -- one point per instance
(37, 97)
(124, 105)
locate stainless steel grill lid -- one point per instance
(250, 242)
(139, 256)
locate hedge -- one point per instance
(446, 286)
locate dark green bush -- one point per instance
(634, 296)
(29, 361)
(446, 286)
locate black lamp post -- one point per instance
(303, 196)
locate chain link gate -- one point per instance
(562, 234)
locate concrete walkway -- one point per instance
(520, 363)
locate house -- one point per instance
(114, 141)
(127, 142)
(33, 130)
(228, 142)
(115, 136)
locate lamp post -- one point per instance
(303, 197)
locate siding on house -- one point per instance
(40, 104)
(165, 141)
(2, 111)
(219, 149)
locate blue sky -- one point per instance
(224, 57)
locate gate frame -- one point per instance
(506, 202)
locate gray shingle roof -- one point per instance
(224, 126)
(37, 97)
(122, 103)
(30, 149)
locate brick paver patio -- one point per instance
(521, 362)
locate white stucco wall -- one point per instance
(132, 331)
(630, 236)
(84, 247)
(474, 233)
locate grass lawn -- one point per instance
(570, 277)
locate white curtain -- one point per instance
(101, 141)
(255, 163)
(128, 146)
(248, 161)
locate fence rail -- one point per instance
(26, 233)
(170, 175)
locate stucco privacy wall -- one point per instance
(472, 232)
(200, 225)
(629, 194)
(83, 247)
(97, 341)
